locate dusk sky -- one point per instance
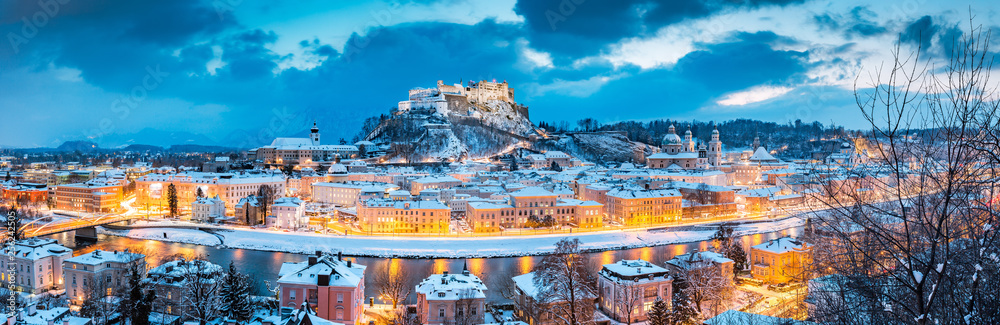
(241, 72)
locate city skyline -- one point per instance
(224, 70)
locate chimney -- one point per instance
(319, 253)
(312, 260)
(340, 256)
(348, 263)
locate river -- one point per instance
(264, 266)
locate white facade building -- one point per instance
(289, 213)
(208, 209)
(36, 265)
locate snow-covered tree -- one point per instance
(235, 293)
(135, 296)
(200, 296)
(659, 314)
(727, 244)
(565, 278)
(708, 288)
(682, 308)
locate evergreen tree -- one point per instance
(235, 294)
(682, 311)
(136, 297)
(555, 167)
(199, 193)
(728, 246)
(659, 314)
(172, 199)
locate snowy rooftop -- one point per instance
(698, 259)
(526, 283)
(781, 245)
(633, 268)
(531, 191)
(174, 272)
(207, 200)
(338, 273)
(99, 256)
(292, 202)
(452, 287)
(437, 179)
(630, 193)
(762, 155)
(385, 187)
(35, 249)
(487, 205)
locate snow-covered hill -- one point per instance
(598, 146)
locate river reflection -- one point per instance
(264, 266)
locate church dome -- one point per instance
(337, 169)
(671, 139)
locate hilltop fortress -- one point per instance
(461, 100)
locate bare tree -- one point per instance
(566, 284)
(468, 308)
(628, 299)
(392, 285)
(200, 295)
(266, 194)
(97, 303)
(708, 288)
(923, 250)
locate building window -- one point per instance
(441, 312)
(291, 294)
(340, 298)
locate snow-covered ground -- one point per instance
(432, 247)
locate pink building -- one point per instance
(448, 299)
(334, 287)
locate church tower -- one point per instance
(688, 142)
(314, 134)
(715, 149)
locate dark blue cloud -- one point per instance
(571, 28)
(697, 79)
(920, 32)
(372, 71)
(859, 22)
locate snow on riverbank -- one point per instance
(186, 236)
(448, 247)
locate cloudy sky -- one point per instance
(240, 72)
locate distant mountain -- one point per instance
(154, 137)
(82, 146)
(200, 148)
(141, 148)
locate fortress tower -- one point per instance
(314, 134)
